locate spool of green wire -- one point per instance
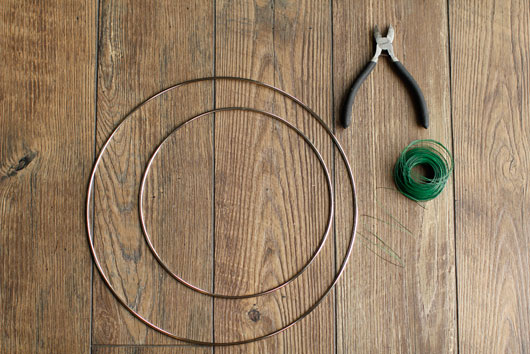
(435, 161)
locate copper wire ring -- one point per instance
(223, 296)
(90, 194)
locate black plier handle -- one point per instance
(385, 43)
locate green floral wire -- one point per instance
(428, 153)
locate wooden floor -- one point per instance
(236, 202)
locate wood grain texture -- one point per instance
(381, 307)
(145, 47)
(46, 145)
(236, 202)
(149, 350)
(491, 107)
(270, 194)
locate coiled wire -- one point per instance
(437, 163)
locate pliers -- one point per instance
(385, 43)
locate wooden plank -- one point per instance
(490, 92)
(270, 195)
(46, 148)
(381, 307)
(149, 350)
(145, 47)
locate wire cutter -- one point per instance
(385, 44)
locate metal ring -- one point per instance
(223, 296)
(90, 192)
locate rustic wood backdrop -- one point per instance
(236, 202)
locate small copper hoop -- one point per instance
(245, 296)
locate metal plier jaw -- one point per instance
(385, 44)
